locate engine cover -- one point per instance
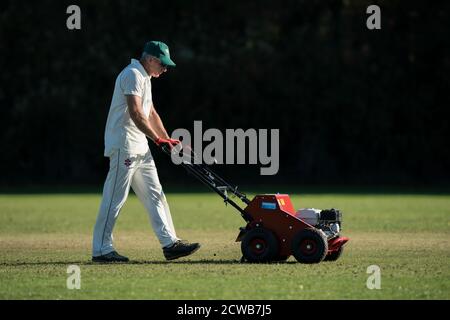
(309, 215)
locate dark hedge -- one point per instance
(353, 106)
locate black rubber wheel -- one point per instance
(259, 245)
(309, 246)
(334, 255)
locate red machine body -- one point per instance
(276, 213)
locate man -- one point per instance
(132, 118)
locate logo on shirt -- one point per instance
(127, 163)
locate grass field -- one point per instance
(407, 236)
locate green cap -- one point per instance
(159, 50)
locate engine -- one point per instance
(329, 220)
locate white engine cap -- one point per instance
(309, 215)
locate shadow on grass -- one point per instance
(134, 262)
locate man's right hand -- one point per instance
(169, 142)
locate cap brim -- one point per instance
(168, 62)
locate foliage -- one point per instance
(352, 105)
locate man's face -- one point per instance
(155, 67)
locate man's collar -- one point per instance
(140, 67)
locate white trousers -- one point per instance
(139, 172)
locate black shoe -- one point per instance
(110, 257)
(180, 249)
